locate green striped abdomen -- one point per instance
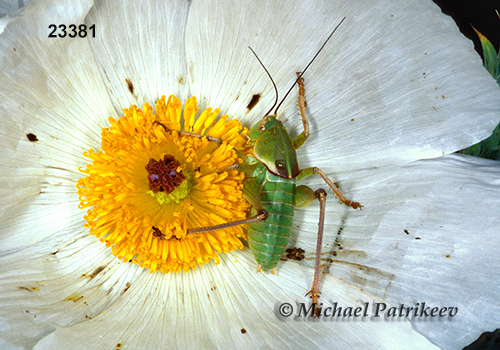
(268, 239)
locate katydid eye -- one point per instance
(281, 169)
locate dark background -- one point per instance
(480, 13)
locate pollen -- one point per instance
(155, 178)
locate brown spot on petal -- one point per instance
(29, 289)
(94, 273)
(127, 286)
(74, 297)
(253, 102)
(130, 87)
(32, 137)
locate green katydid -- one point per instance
(271, 174)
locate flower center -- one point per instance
(166, 180)
(148, 185)
(164, 175)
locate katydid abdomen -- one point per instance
(268, 239)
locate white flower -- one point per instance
(397, 83)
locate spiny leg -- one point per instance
(304, 196)
(321, 195)
(187, 133)
(261, 215)
(314, 170)
(300, 139)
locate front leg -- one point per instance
(187, 133)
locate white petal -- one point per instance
(49, 88)
(208, 308)
(67, 279)
(428, 232)
(8, 346)
(142, 42)
(397, 81)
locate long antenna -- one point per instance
(300, 76)
(270, 77)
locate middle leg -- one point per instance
(314, 170)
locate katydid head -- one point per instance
(273, 147)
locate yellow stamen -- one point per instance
(147, 225)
